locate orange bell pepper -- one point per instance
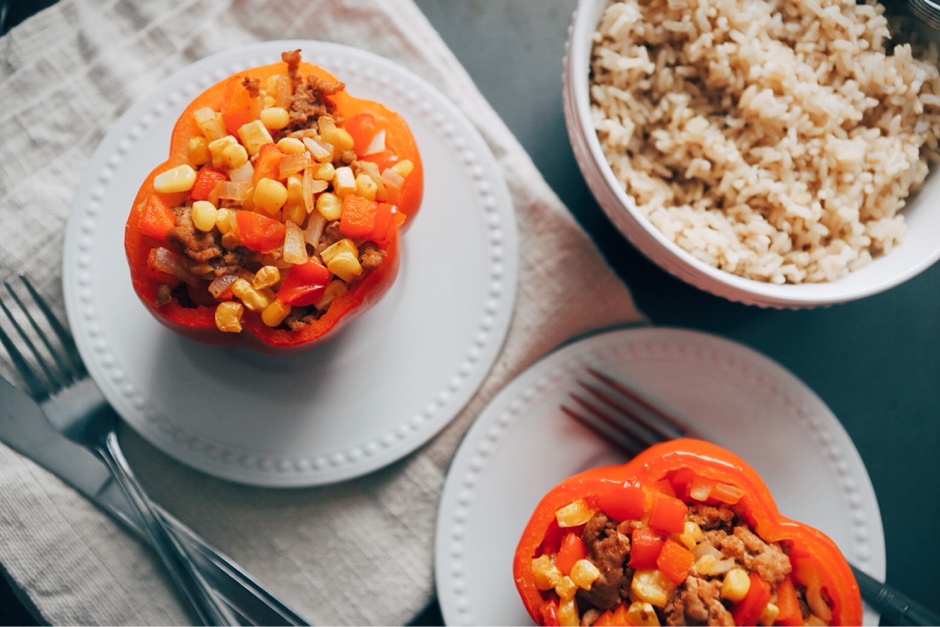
(146, 225)
(679, 466)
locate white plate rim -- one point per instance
(93, 322)
(551, 378)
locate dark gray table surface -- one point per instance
(873, 362)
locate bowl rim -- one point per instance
(622, 210)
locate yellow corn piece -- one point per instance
(574, 514)
(270, 196)
(342, 259)
(254, 135)
(735, 585)
(204, 215)
(217, 149)
(769, 614)
(210, 123)
(323, 172)
(266, 276)
(329, 205)
(403, 168)
(274, 314)
(652, 586)
(642, 615)
(291, 145)
(274, 117)
(228, 317)
(546, 574)
(568, 613)
(691, 535)
(565, 588)
(178, 179)
(254, 300)
(197, 151)
(339, 137)
(366, 186)
(584, 573)
(344, 181)
(333, 289)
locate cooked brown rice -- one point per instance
(774, 139)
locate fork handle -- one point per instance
(171, 551)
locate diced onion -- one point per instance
(232, 190)
(243, 173)
(377, 144)
(165, 260)
(221, 283)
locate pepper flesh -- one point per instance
(677, 462)
(196, 320)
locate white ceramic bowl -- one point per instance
(919, 249)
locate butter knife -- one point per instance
(25, 429)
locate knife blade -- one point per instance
(25, 428)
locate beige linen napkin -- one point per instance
(359, 552)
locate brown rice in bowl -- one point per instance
(775, 141)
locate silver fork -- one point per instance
(634, 421)
(61, 385)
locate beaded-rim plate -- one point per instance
(522, 444)
(386, 384)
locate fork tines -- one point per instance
(41, 349)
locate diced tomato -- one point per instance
(156, 218)
(259, 232)
(645, 547)
(675, 561)
(304, 284)
(625, 502)
(749, 609)
(206, 180)
(668, 514)
(238, 105)
(572, 549)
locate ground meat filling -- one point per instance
(697, 601)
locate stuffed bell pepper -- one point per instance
(276, 217)
(686, 533)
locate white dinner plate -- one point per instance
(386, 384)
(521, 445)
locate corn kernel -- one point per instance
(275, 117)
(290, 145)
(210, 123)
(224, 220)
(642, 614)
(574, 514)
(334, 289)
(565, 588)
(403, 168)
(768, 615)
(342, 259)
(228, 317)
(270, 196)
(691, 535)
(254, 300)
(652, 586)
(204, 215)
(178, 179)
(546, 574)
(735, 585)
(294, 212)
(197, 151)
(366, 186)
(274, 314)
(266, 276)
(568, 613)
(584, 573)
(330, 206)
(267, 101)
(339, 137)
(324, 172)
(254, 135)
(344, 181)
(217, 149)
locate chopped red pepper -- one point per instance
(645, 547)
(749, 609)
(206, 180)
(365, 218)
(814, 556)
(304, 284)
(788, 604)
(156, 218)
(259, 232)
(572, 549)
(668, 514)
(627, 502)
(267, 163)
